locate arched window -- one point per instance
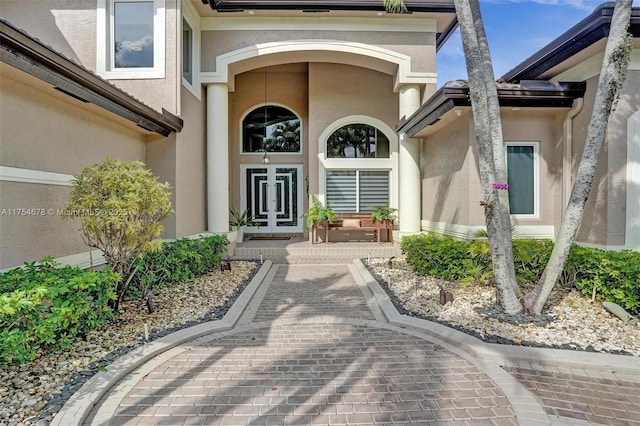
(357, 141)
(271, 128)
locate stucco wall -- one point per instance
(191, 177)
(419, 46)
(287, 86)
(451, 188)
(69, 27)
(337, 91)
(49, 131)
(628, 104)
(446, 166)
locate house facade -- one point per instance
(262, 104)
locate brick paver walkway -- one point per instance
(321, 344)
(312, 351)
(594, 400)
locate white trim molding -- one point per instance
(632, 228)
(400, 63)
(190, 15)
(467, 232)
(15, 174)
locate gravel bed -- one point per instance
(34, 392)
(569, 320)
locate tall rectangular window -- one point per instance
(522, 172)
(132, 34)
(131, 39)
(187, 52)
(357, 190)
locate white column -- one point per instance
(409, 166)
(217, 158)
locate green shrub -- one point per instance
(437, 255)
(176, 261)
(614, 274)
(120, 206)
(45, 307)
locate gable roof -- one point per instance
(30, 55)
(585, 33)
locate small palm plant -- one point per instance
(240, 220)
(383, 214)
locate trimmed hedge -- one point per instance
(177, 261)
(45, 307)
(615, 274)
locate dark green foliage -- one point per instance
(437, 255)
(177, 261)
(45, 307)
(615, 274)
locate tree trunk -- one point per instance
(612, 76)
(488, 129)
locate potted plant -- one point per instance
(383, 217)
(240, 220)
(318, 214)
(383, 214)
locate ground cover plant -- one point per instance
(44, 307)
(604, 275)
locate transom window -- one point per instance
(357, 141)
(271, 128)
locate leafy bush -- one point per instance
(120, 206)
(614, 274)
(45, 307)
(437, 255)
(176, 261)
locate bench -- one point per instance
(355, 222)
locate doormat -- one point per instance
(271, 238)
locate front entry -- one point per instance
(272, 194)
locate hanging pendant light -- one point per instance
(265, 158)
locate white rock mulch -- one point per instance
(569, 321)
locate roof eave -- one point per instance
(582, 35)
(29, 55)
(318, 6)
(447, 98)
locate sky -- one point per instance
(516, 29)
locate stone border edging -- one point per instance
(79, 406)
(496, 352)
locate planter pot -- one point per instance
(240, 235)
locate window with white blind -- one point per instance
(357, 190)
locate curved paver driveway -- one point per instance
(312, 348)
(323, 344)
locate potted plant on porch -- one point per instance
(316, 215)
(240, 220)
(383, 217)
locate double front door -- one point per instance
(273, 195)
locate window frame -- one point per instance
(105, 43)
(192, 18)
(387, 164)
(536, 177)
(271, 153)
(376, 130)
